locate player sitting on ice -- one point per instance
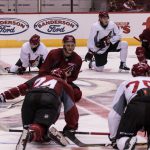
(42, 105)
(33, 54)
(131, 109)
(105, 37)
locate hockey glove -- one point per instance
(2, 99)
(21, 70)
(88, 56)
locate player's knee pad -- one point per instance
(99, 69)
(77, 94)
(123, 45)
(14, 68)
(121, 142)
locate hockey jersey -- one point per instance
(65, 94)
(125, 93)
(30, 58)
(98, 32)
(56, 59)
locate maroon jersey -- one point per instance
(145, 35)
(65, 93)
(56, 59)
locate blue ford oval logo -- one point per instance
(56, 25)
(11, 26)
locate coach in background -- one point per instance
(105, 37)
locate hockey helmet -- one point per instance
(58, 73)
(140, 52)
(140, 69)
(103, 14)
(69, 38)
(35, 40)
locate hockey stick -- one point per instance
(137, 39)
(76, 132)
(13, 104)
(74, 139)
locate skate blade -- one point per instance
(123, 71)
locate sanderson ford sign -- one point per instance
(11, 26)
(56, 25)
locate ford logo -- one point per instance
(56, 25)
(11, 26)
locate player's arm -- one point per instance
(91, 42)
(118, 106)
(116, 34)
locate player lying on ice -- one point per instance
(64, 58)
(42, 105)
(33, 54)
(105, 37)
(131, 109)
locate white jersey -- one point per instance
(27, 55)
(125, 93)
(98, 31)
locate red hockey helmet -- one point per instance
(103, 14)
(69, 38)
(58, 73)
(140, 69)
(35, 40)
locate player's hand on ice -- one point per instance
(21, 70)
(88, 56)
(2, 99)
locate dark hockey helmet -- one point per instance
(140, 52)
(140, 69)
(35, 40)
(69, 38)
(58, 73)
(103, 14)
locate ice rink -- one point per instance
(98, 91)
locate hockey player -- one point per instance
(33, 54)
(145, 39)
(105, 37)
(64, 58)
(131, 109)
(42, 104)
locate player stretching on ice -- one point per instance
(105, 37)
(42, 105)
(131, 109)
(33, 54)
(64, 58)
